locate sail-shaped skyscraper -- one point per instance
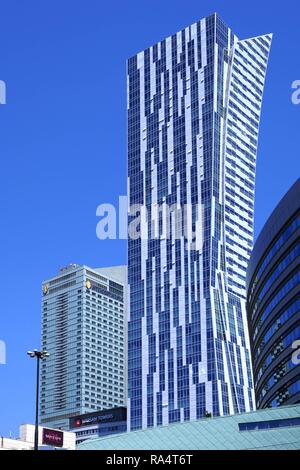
(194, 103)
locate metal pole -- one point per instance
(36, 431)
(38, 355)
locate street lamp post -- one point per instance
(39, 355)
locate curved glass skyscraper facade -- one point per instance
(194, 102)
(274, 305)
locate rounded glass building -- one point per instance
(273, 305)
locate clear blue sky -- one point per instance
(63, 142)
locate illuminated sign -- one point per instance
(105, 416)
(52, 437)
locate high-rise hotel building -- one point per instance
(194, 102)
(84, 329)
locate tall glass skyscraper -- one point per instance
(194, 102)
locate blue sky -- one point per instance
(63, 142)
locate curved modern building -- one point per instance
(273, 304)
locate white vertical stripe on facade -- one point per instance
(180, 93)
(208, 396)
(152, 79)
(193, 34)
(203, 43)
(227, 379)
(143, 122)
(155, 330)
(193, 401)
(145, 368)
(170, 156)
(236, 366)
(154, 199)
(165, 393)
(182, 304)
(163, 268)
(144, 253)
(179, 45)
(216, 74)
(159, 51)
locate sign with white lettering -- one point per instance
(52, 437)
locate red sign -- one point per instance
(53, 438)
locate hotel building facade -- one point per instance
(84, 330)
